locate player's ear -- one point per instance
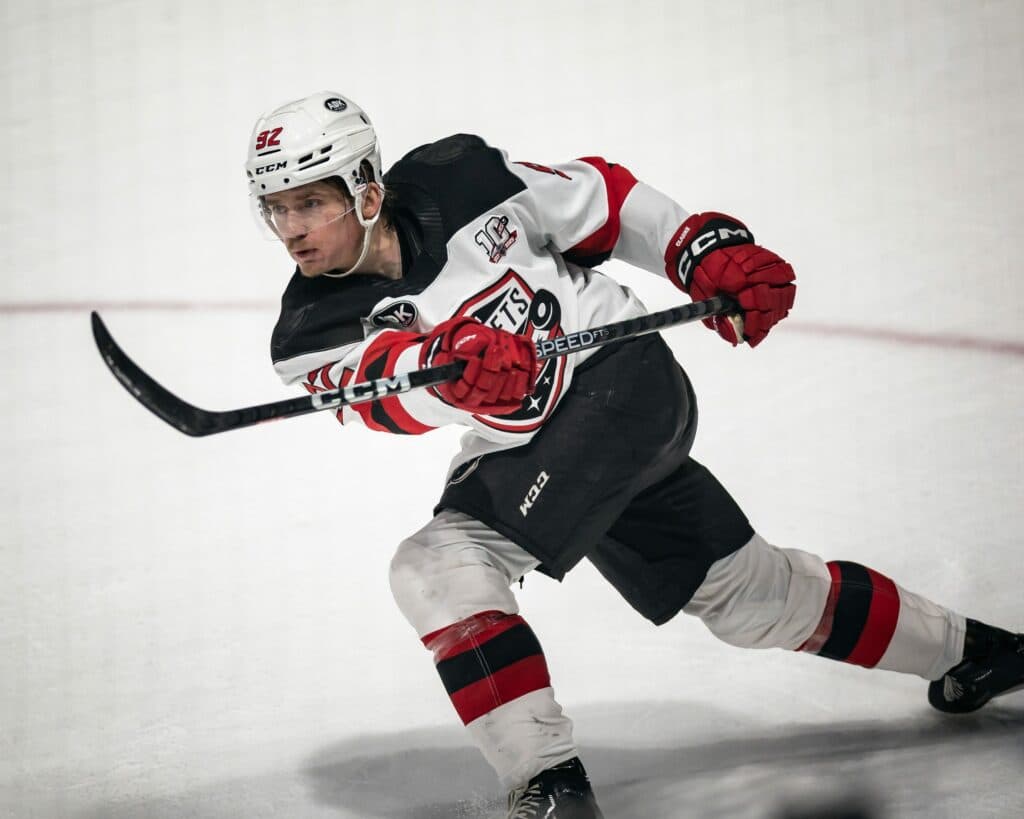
(372, 198)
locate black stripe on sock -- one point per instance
(852, 607)
(473, 665)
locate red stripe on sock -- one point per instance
(505, 685)
(467, 634)
(881, 624)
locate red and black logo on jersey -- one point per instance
(496, 238)
(510, 304)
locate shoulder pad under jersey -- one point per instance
(460, 176)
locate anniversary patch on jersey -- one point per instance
(510, 304)
(496, 238)
(396, 314)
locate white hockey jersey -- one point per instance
(512, 244)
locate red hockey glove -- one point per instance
(717, 254)
(501, 367)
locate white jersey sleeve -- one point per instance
(382, 355)
(590, 210)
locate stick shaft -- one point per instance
(547, 348)
(199, 422)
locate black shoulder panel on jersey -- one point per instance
(435, 190)
(444, 185)
(324, 312)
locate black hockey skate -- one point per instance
(993, 665)
(562, 792)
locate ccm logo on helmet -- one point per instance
(273, 166)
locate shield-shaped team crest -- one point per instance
(511, 305)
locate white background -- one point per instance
(204, 628)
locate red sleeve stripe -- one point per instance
(378, 361)
(618, 182)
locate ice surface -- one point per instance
(203, 628)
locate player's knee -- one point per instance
(436, 585)
(418, 578)
(413, 576)
(762, 596)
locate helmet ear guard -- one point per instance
(367, 223)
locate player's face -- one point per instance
(316, 223)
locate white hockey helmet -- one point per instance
(319, 136)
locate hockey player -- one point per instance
(458, 253)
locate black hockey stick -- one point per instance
(198, 422)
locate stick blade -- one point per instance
(157, 399)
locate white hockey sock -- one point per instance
(868, 620)
(764, 597)
(494, 670)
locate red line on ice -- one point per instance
(910, 339)
(883, 335)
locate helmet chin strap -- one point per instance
(368, 225)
